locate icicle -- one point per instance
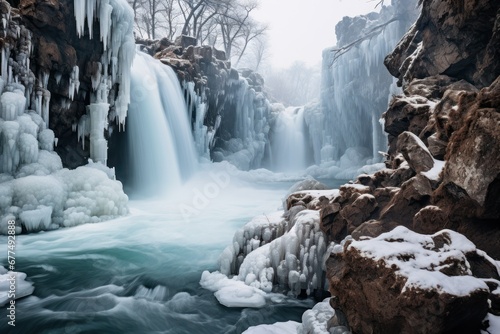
(58, 77)
(83, 129)
(98, 122)
(45, 107)
(91, 9)
(80, 16)
(105, 22)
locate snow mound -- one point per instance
(232, 292)
(419, 258)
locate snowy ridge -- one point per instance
(416, 259)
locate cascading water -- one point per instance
(161, 151)
(289, 141)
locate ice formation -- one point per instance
(249, 128)
(23, 287)
(271, 254)
(35, 191)
(356, 86)
(116, 23)
(289, 327)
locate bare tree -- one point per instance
(251, 31)
(233, 22)
(155, 16)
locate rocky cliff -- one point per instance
(442, 172)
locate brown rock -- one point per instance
(430, 220)
(416, 154)
(372, 292)
(357, 213)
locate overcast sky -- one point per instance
(301, 29)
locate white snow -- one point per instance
(415, 259)
(23, 287)
(314, 321)
(232, 292)
(289, 327)
(494, 327)
(433, 173)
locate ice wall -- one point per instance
(245, 126)
(161, 152)
(35, 191)
(356, 84)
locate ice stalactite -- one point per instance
(250, 126)
(274, 254)
(203, 137)
(35, 191)
(116, 21)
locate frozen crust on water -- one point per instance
(23, 287)
(232, 292)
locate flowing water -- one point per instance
(289, 141)
(140, 273)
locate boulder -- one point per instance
(415, 152)
(185, 41)
(404, 282)
(459, 39)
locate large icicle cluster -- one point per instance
(35, 191)
(272, 254)
(111, 82)
(356, 85)
(247, 147)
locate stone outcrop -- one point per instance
(57, 49)
(442, 172)
(414, 283)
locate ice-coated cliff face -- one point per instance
(116, 22)
(35, 191)
(356, 85)
(243, 137)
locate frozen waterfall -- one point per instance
(288, 144)
(161, 151)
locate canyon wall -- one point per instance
(442, 172)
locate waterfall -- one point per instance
(289, 141)
(160, 148)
